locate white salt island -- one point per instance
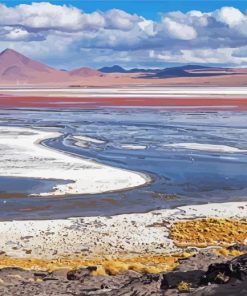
(23, 155)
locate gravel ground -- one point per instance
(79, 282)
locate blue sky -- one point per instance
(132, 33)
(147, 8)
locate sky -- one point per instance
(130, 33)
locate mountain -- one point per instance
(85, 72)
(192, 67)
(112, 69)
(189, 71)
(17, 69)
(141, 70)
(119, 69)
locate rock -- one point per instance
(80, 274)
(149, 278)
(145, 285)
(200, 261)
(238, 247)
(60, 273)
(40, 274)
(172, 279)
(11, 269)
(111, 282)
(192, 277)
(223, 290)
(221, 273)
(215, 273)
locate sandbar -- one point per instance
(206, 147)
(23, 155)
(88, 139)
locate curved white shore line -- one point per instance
(22, 155)
(131, 234)
(206, 147)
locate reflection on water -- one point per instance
(180, 176)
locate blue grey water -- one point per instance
(179, 176)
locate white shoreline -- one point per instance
(87, 139)
(108, 237)
(205, 147)
(132, 92)
(22, 155)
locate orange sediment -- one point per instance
(143, 264)
(226, 252)
(208, 232)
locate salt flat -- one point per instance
(134, 92)
(107, 237)
(22, 155)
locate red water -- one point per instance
(75, 102)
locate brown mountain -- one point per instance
(17, 69)
(86, 72)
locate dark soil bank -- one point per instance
(202, 274)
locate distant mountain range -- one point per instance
(182, 71)
(85, 72)
(17, 69)
(191, 71)
(119, 69)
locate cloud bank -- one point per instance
(64, 35)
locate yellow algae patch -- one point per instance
(225, 252)
(208, 232)
(183, 287)
(143, 264)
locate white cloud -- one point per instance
(54, 33)
(41, 15)
(179, 31)
(200, 56)
(44, 15)
(17, 34)
(118, 19)
(230, 16)
(148, 27)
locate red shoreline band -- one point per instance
(91, 102)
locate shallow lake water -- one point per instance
(136, 139)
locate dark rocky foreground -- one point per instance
(202, 274)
